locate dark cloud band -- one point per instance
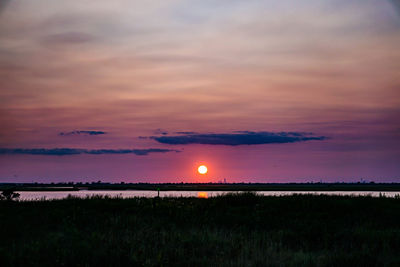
(82, 133)
(75, 151)
(238, 138)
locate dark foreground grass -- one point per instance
(232, 230)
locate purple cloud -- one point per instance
(237, 138)
(77, 151)
(82, 133)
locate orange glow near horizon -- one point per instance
(202, 169)
(202, 195)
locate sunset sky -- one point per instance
(146, 91)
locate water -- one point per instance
(48, 195)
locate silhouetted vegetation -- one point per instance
(231, 230)
(9, 194)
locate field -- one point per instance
(231, 230)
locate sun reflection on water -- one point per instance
(202, 195)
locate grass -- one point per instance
(230, 230)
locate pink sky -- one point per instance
(136, 69)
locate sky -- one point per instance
(145, 91)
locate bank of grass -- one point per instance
(231, 230)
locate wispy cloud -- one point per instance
(3, 4)
(238, 138)
(396, 4)
(77, 151)
(68, 38)
(82, 133)
(160, 131)
(185, 132)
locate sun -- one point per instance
(202, 169)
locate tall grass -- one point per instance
(228, 230)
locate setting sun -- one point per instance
(202, 169)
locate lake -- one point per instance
(48, 195)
